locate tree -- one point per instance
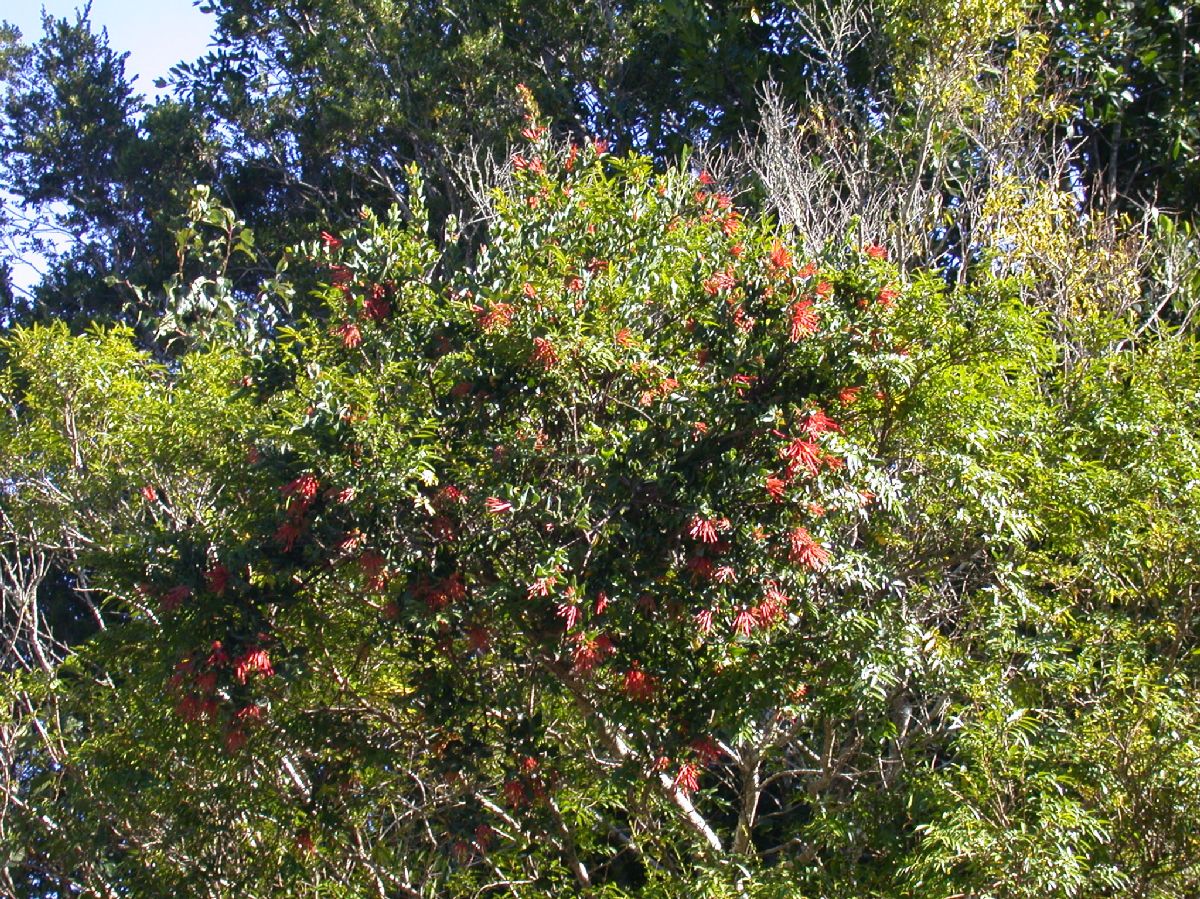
(95, 173)
(643, 554)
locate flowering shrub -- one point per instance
(642, 548)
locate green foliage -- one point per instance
(639, 556)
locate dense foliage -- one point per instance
(816, 521)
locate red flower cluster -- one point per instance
(802, 454)
(377, 306)
(804, 320)
(350, 334)
(544, 353)
(780, 258)
(705, 529)
(639, 686)
(305, 487)
(497, 506)
(806, 551)
(687, 779)
(723, 280)
(497, 317)
(255, 661)
(590, 651)
(440, 594)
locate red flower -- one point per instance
(775, 487)
(288, 533)
(706, 749)
(248, 715)
(235, 739)
(804, 320)
(189, 708)
(703, 529)
(848, 395)
(149, 494)
(377, 306)
(686, 780)
(875, 251)
(255, 661)
(478, 638)
(701, 567)
(340, 276)
(744, 622)
(441, 594)
(767, 612)
(543, 586)
(781, 259)
(304, 487)
(807, 271)
(820, 423)
(801, 453)
(704, 621)
(706, 179)
(330, 241)
(206, 683)
(572, 155)
(514, 793)
(449, 496)
(497, 317)
(806, 551)
(720, 281)
(497, 506)
(570, 614)
(350, 334)
(217, 656)
(639, 685)
(887, 297)
(586, 655)
(776, 596)
(624, 337)
(544, 352)
(372, 563)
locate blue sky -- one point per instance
(156, 34)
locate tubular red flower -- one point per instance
(806, 551)
(804, 320)
(497, 506)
